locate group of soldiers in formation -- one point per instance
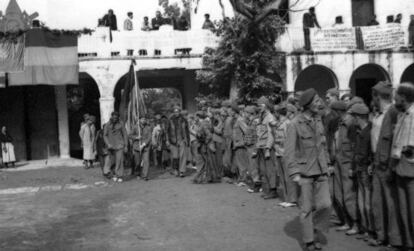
(319, 155)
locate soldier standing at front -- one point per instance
(178, 140)
(116, 138)
(265, 149)
(307, 161)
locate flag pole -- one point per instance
(136, 95)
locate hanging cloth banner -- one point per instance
(12, 54)
(333, 39)
(50, 59)
(383, 37)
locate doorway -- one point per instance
(362, 12)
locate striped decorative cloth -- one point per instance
(50, 59)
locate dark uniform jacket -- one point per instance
(146, 136)
(363, 152)
(305, 148)
(382, 157)
(344, 144)
(310, 21)
(240, 129)
(115, 135)
(178, 130)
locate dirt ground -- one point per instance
(165, 213)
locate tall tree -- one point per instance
(246, 57)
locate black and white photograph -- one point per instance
(206, 125)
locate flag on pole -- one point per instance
(132, 105)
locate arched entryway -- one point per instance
(364, 78)
(319, 77)
(82, 99)
(408, 75)
(157, 80)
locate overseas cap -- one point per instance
(307, 97)
(250, 109)
(338, 105)
(383, 87)
(359, 109)
(355, 100)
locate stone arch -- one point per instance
(408, 74)
(364, 78)
(316, 76)
(152, 80)
(82, 98)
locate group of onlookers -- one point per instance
(180, 23)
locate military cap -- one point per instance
(250, 109)
(241, 107)
(201, 114)
(353, 101)
(307, 97)
(184, 112)
(264, 101)
(338, 105)
(359, 109)
(291, 108)
(157, 116)
(383, 87)
(333, 92)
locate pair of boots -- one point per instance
(176, 168)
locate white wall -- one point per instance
(326, 11)
(384, 8)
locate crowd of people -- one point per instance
(338, 154)
(180, 23)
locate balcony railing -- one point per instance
(370, 38)
(163, 43)
(171, 43)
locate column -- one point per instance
(190, 92)
(63, 121)
(107, 107)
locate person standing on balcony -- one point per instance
(128, 25)
(182, 24)
(146, 25)
(208, 25)
(158, 21)
(109, 20)
(398, 19)
(309, 21)
(411, 31)
(373, 21)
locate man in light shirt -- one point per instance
(384, 190)
(128, 25)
